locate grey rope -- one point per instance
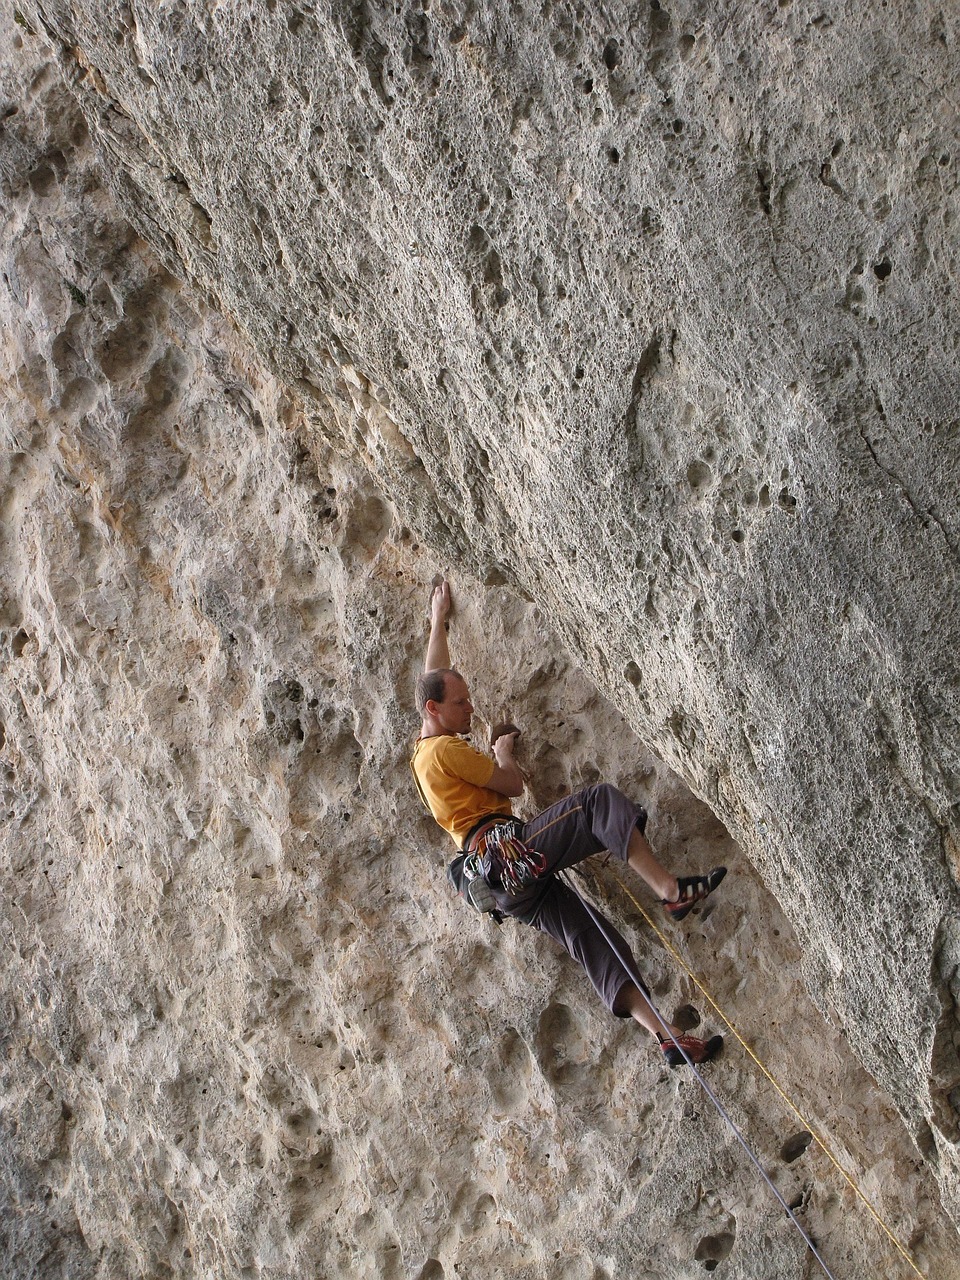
(631, 970)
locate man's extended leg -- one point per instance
(563, 915)
(633, 1001)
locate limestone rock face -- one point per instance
(648, 316)
(650, 312)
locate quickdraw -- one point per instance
(506, 860)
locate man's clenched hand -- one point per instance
(499, 730)
(503, 748)
(440, 602)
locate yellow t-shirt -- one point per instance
(453, 777)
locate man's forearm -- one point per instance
(507, 776)
(438, 651)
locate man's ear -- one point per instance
(431, 706)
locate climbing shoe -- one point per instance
(697, 1050)
(693, 889)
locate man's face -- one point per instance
(456, 710)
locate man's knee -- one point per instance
(602, 797)
(613, 816)
(612, 800)
(626, 1000)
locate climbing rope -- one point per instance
(668, 946)
(631, 969)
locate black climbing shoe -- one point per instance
(693, 889)
(697, 1050)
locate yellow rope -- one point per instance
(807, 1126)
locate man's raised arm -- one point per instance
(438, 651)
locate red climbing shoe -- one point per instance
(693, 889)
(696, 1050)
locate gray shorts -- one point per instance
(590, 821)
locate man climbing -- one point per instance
(469, 796)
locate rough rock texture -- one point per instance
(244, 1033)
(648, 310)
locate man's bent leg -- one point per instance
(678, 896)
(596, 818)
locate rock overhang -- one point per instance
(647, 314)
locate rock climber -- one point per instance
(515, 863)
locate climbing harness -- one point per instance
(631, 969)
(494, 856)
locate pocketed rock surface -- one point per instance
(247, 1031)
(648, 312)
